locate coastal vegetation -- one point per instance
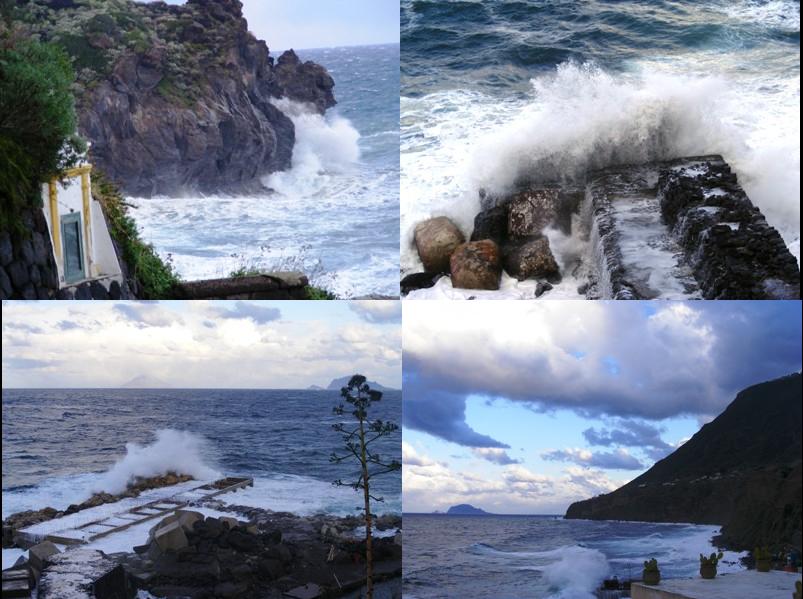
(651, 574)
(37, 121)
(708, 565)
(358, 440)
(154, 278)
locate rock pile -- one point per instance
(508, 235)
(192, 556)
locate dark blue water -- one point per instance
(540, 556)
(504, 43)
(498, 91)
(57, 443)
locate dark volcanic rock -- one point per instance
(530, 257)
(734, 253)
(530, 211)
(491, 224)
(741, 471)
(418, 280)
(177, 98)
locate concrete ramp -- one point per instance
(89, 525)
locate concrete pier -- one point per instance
(748, 584)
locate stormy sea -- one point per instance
(61, 446)
(543, 557)
(334, 215)
(496, 91)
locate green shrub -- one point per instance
(37, 122)
(318, 293)
(156, 277)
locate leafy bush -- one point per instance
(156, 278)
(37, 122)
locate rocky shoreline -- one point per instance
(748, 480)
(179, 98)
(677, 229)
(252, 553)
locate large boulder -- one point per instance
(491, 224)
(476, 265)
(39, 554)
(436, 239)
(170, 537)
(531, 211)
(529, 258)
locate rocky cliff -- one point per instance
(178, 98)
(741, 471)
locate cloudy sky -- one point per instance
(526, 409)
(299, 24)
(199, 344)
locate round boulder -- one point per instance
(531, 258)
(436, 239)
(476, 265)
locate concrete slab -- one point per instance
(748, 584)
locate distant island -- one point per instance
(464, 509)
(339, 383)
(741, 471)
(315, 388)
(145, 381)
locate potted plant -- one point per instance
(763, 559)
(651, 574)
(708, 565)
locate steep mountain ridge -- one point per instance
(742, 471)
(178, 98)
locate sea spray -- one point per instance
(581, 118)
(577, 573)
(180, 452)
(325, 145)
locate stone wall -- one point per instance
(27, 268)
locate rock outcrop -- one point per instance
(178, 98)
(741, 471)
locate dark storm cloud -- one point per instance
(671, 360)
(441, 414)
(611, 460)
(28, 363)
(242, 310)
(630, 433)
(145, 314)
(22, 327)
(495, 456)
(377, 311)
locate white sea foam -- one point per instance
(324, 146)
(577, 572)
(324, 215)
(581, 117)
(181, 452)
